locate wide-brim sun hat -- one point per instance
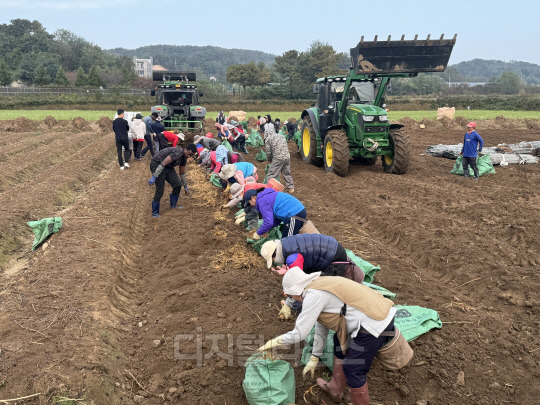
(295, 281)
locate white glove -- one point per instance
(285, 312)
(240, 213)
(256, 236)
(271, 344)
(311, 366)
(239, 220)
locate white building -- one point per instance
(143, 67)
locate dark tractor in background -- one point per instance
(177, 99)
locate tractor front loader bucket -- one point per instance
(411, 56)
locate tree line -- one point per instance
(30, 54)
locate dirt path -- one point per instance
(121, 306)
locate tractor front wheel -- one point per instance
(336, 152)
(398, 162)
(308, 143)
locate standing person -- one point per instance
(269, 126)
(162, 168)
(156, 128)
(221, 118)
(291, 129)
(470, 150)
(138, 131)
(276, 207)
(277, 153)
(121, 129)
(149, 120)
(261, 123)
(366, 325)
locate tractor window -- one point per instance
(175, 98)
(362, 92)
(336, 91)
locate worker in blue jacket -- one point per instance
(470, 150)
(276, 207)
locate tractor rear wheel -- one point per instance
(398, 162)
(336, 152)
(308, 143)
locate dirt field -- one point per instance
(116, 306)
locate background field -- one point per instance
(93, 115)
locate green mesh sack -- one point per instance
(254, 139)
(414, 321)
(227, 145)
(214, 179)
(268, 382)
(275, 233)
(483, 163)
(261, 156)
(43, 229)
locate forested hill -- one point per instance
(483, 70)
(205, 60)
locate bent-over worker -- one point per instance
(366, 325)
(162, 168)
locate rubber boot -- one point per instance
(173, 198)
(155, 209)
(360, 396)
(336, 385)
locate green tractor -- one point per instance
(177, 100)
(350, 122)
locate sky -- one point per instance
(493, 29)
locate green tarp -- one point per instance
(261, 156)
(368, 269)
(296, 137)
(44, 228)
(482, 162)
(274, 233)
(244, 124)
(388, 294)
(269, 382)
(227, 145)
(255, 140)
(214, 179)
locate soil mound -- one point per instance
(209, 123)
(429, 124)
(104, 124)
(461, 121)
(408, 122)
(20, 124)
(50, 121)
(79, 123)
(532, 124)
(252, 122)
